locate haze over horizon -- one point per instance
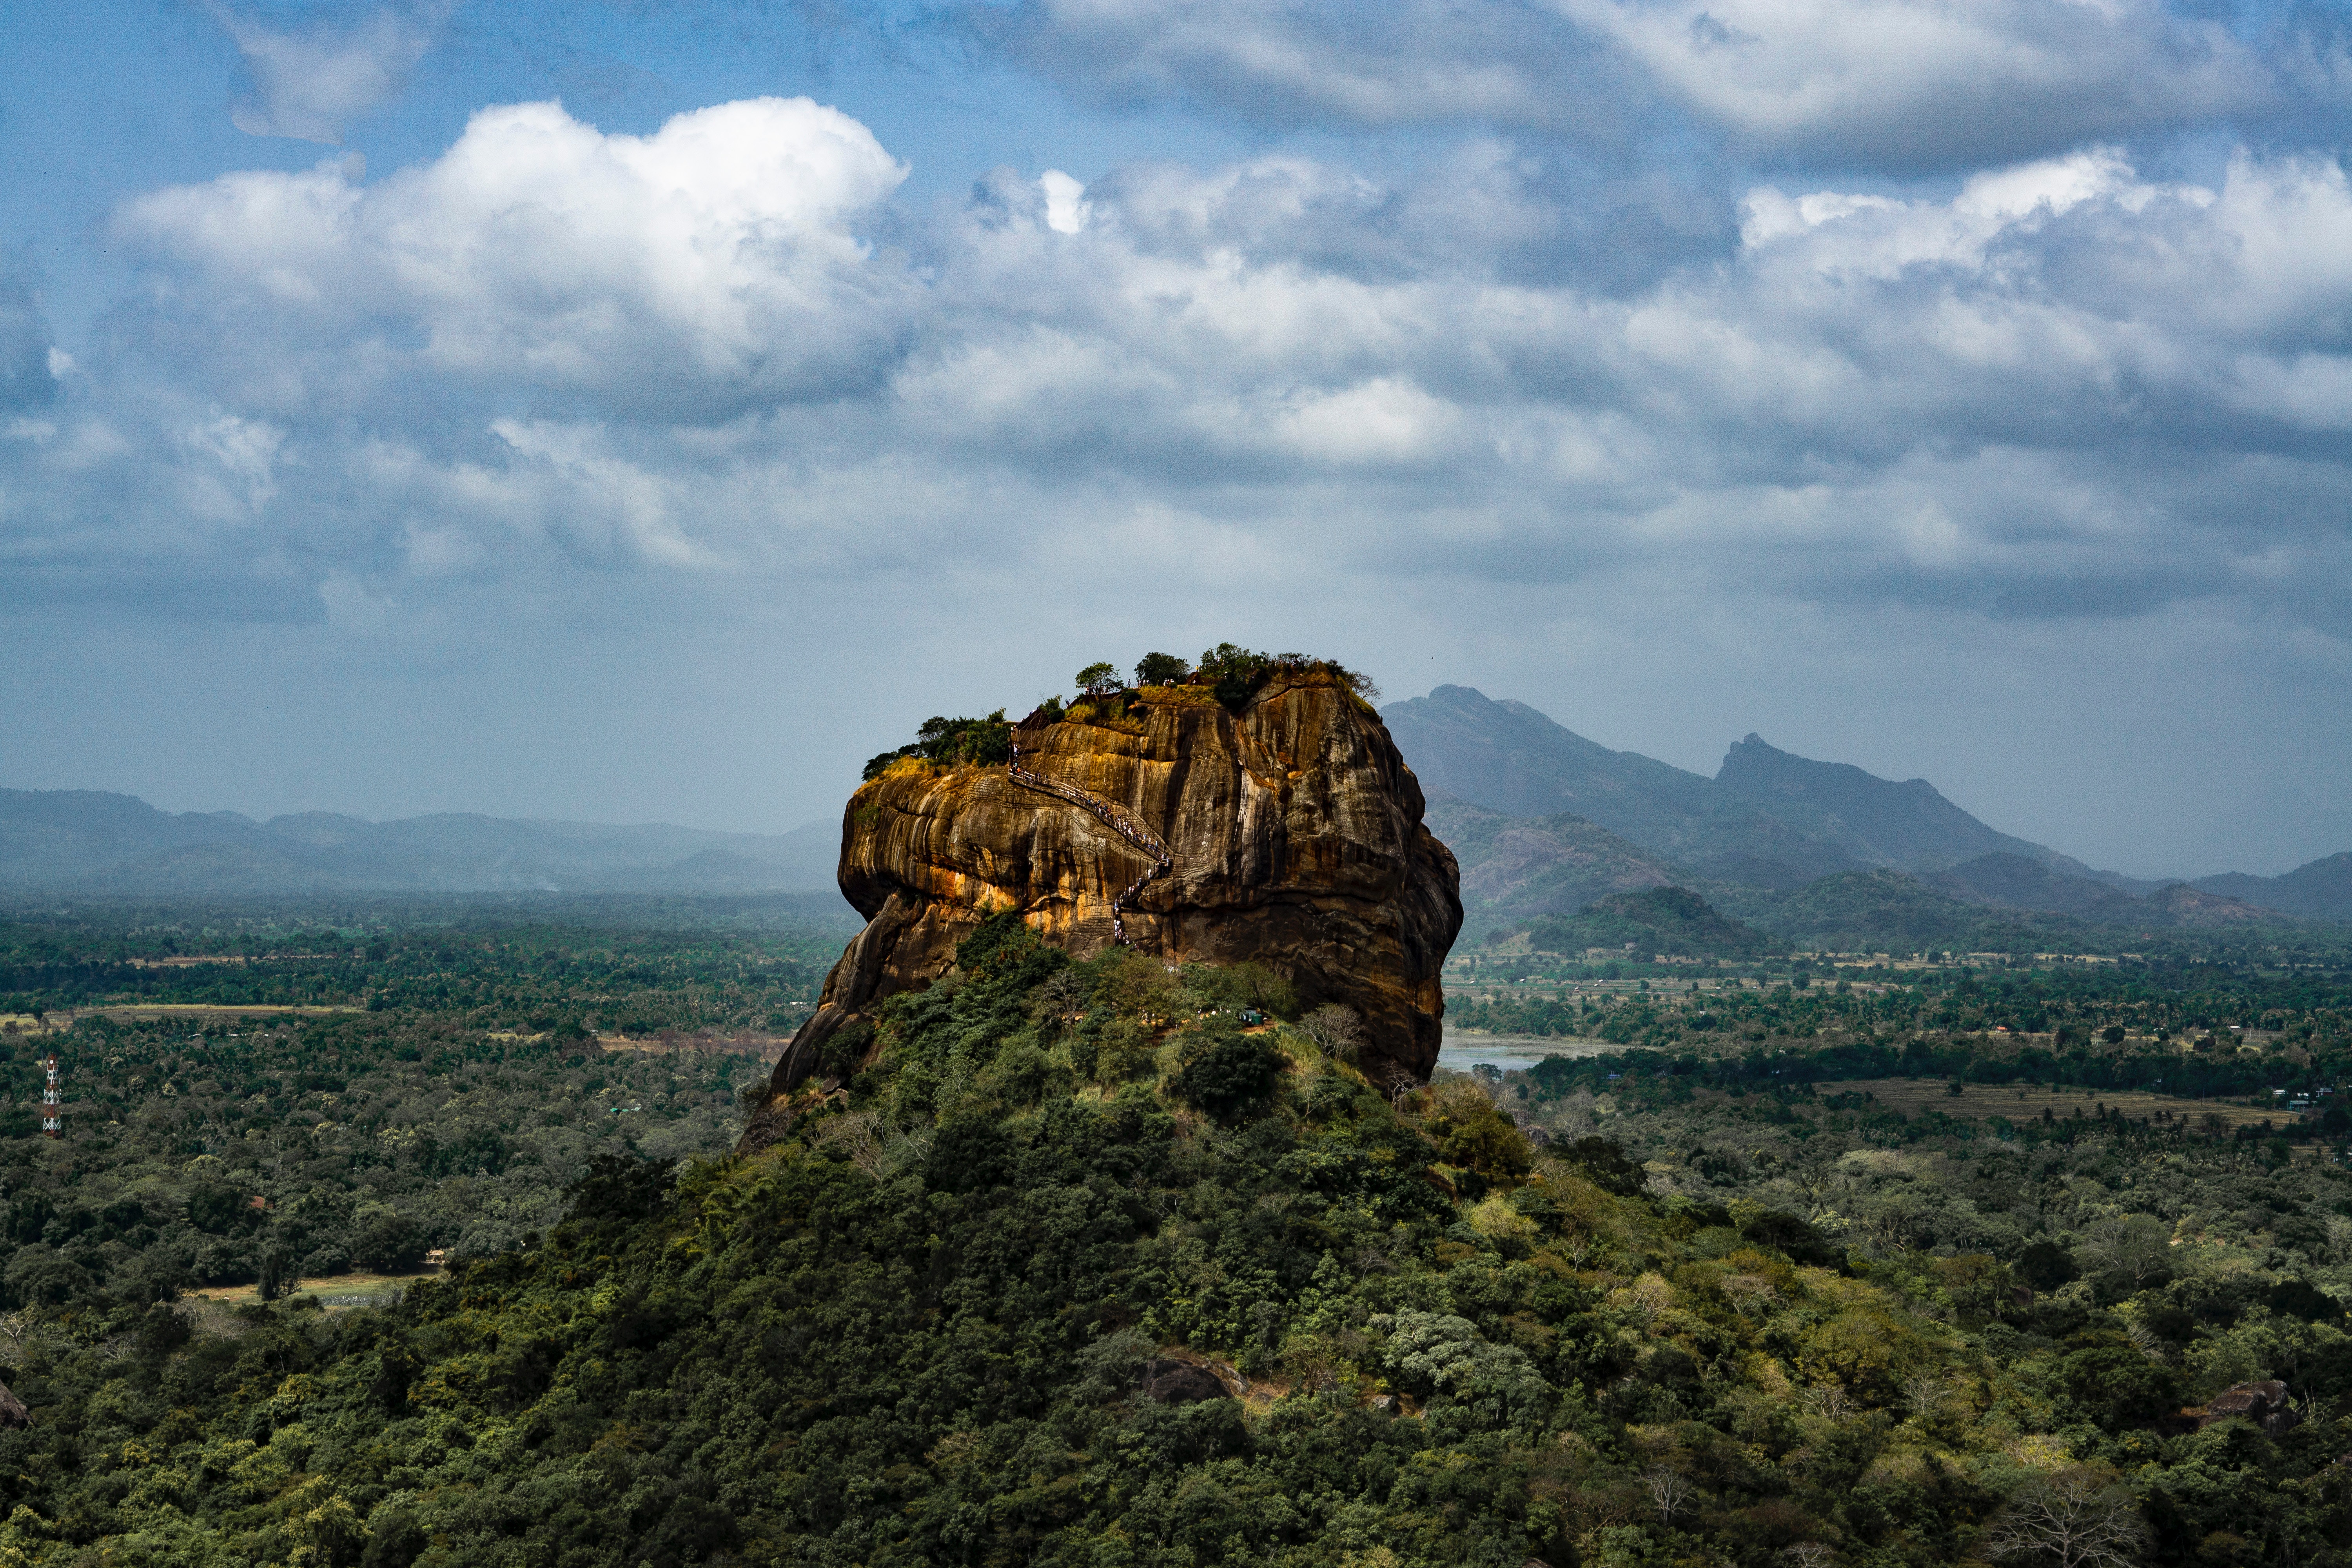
(645, 414)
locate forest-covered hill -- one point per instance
(1083, 1271)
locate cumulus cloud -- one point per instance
(713, 262)
(308, 82)
(2058, 389)
(1900, 84)
(1305, 61)
(1926, 83)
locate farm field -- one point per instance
(2021, 1102)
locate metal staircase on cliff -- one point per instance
(1112, 817)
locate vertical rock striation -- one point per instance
(1297, 841)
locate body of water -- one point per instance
(1512, 1053)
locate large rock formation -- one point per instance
(1296, 833)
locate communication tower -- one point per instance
(52, 1107)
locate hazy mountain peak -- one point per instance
(1767, 818)
(97, 841)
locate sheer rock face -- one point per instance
(1299, 844)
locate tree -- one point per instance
(2046, 1265)
(1098, 679)
(1228, 1072)
(387, 1243)
(1669, 1489)
(1337, 1032)
(1153, 669)
(1233, 672)
(1472, 1135)
(1605, 1164)
(2079, 1518)
(2133, 1245)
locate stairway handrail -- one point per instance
(1112, 817)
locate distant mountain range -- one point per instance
(1543, 821)
(1546, 822)
(88, 841)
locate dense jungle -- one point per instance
(1102, 1263)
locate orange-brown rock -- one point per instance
(1297, 841)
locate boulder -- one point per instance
(1295, 838)
(1180, 1382)
(2264, 1403)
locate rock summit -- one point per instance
(1284, 829)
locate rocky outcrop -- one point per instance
(1180, 1383)
(1296, 841)
(2266, 1404)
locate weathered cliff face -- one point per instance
(1296, 836)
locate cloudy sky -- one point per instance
(641, 411)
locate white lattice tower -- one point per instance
(52, 1104)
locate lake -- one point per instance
(1512, 1053)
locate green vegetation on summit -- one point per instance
(1227, 673)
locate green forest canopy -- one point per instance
(968, 1316)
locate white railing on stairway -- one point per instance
(1112, 817)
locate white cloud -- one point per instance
(1885, 83)
(1065, 202)
(1867, 235)
(711, 262)
(1910, 82)
(245, 452)
(308, 83)
(2058, 388)
(1408, 61)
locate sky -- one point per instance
(648, 411)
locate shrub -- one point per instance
(1227, 1072)
(1472, 1136)
(1607, 1167)
(387, 1244)
(951, 743)
(218, 1209)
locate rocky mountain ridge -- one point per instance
(1767, 818)
(1545, 821)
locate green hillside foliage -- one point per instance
(1882, 911)
(1670, 920)
(2163, 1261)
(942, 1323)
(365, 1139)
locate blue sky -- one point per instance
(648, 410)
